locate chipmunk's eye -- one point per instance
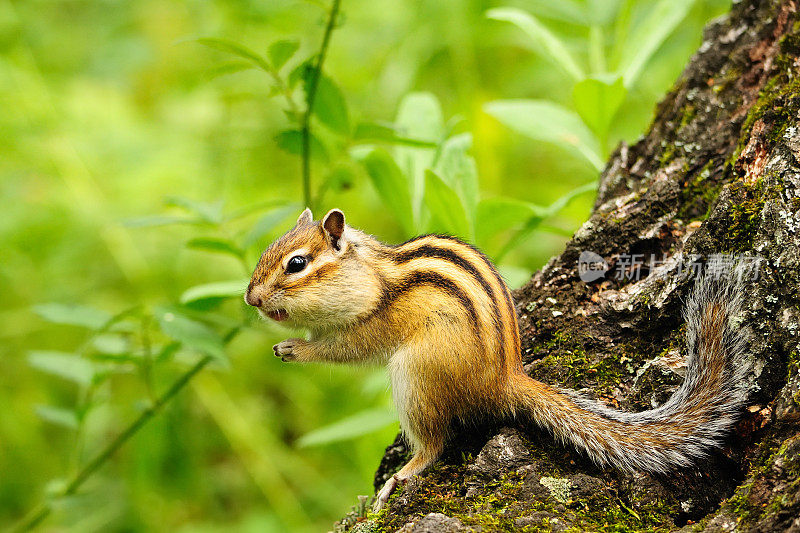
(296, 264)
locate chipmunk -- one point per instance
(438, 314)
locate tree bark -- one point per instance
(717, 173)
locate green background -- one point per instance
(111, 109)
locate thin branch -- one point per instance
(310, 96)
(282, 88)
(44, 509)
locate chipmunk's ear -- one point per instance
(333, 225)
(305, 217)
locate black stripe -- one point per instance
(394, 290)
(430, 251)
(506, 294)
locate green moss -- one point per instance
(667, 155)
(443, 491)
(745, 215)
(789, 49)
(498, 506)
(724, 81)
(771, 105)
(744, 503)
(688, 112)
(699, 193)
(739, 502)
(777, 105)
(567, 359)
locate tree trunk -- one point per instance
(716, 174)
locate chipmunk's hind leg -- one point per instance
(423, 458)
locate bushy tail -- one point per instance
(693, 420)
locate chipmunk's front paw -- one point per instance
(286, 349)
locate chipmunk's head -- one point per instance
(312, 275)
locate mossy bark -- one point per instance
(717, 173)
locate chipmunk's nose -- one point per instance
(252, 298)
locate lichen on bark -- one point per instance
(717, 173)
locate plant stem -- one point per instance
(147, 366)
(44, 509)
(285, 91)
(310, 96)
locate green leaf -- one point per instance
(210, 212)
(191, 333)
(418, 117)
(58, 416)
(300, 72)
(530, 226)
(565, 199)
(73, 315)
(535, 222)
(234, 48)
(496, 215)
(445, 206)
(648, 36)
(110, 344)
(231, 67)
(67, 366)
(268, 223)
(618, 35)
(391, 186)
(280, 52)
(597, 101)
(458, 169)
(597, 50)
(329, 104)
(601, 12)
(373, 131)
(126, 321)
(215, 245)
(543, 120)
(291, 141)
(219, 289)
(362, 423)
(568, 11)
(561, 232)
(167, 352)
(546, 41)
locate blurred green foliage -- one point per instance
(149, 152)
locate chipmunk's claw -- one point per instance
(383, 495)
(285, 349)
